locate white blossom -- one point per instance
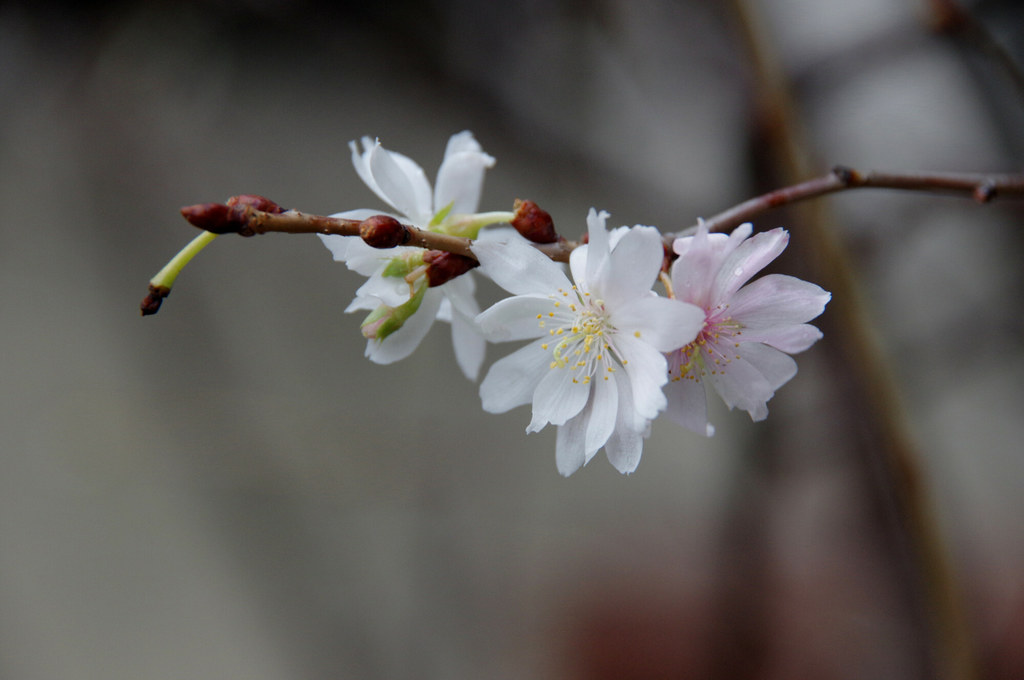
(596, 365)
(449, 208)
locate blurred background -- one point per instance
(229, 489)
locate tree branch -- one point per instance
(982, 188)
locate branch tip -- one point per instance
(151, 303)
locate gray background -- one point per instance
(229, 489)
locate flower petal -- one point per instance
(791, 339)
(632, 268)
(663, 323)
(603, 410)
(626, 443)
(402, 183)
(469, 344)
(598, 249)
(688, 405)
(557, 398)
(515, 318)
(461, 175)
(512, 380)
(519, 268)
(749, 257)
(777, 300)
(570, 452)
(647, 370)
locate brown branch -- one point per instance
(982, 188)
(246, 220)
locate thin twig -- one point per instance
(981, 187)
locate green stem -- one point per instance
(166, 276)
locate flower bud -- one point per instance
(218, 218)
(381, 231)
(384, 320)
(444, 266)
(533, 223)
(151, 303)
(255, 201)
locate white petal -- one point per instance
(776, 300)
(389, 290)
(626, 443)
(469, 344)
(647, 371)
(338, 245)
(361, 162)
(461, 175)
(402, 183)
(602, 413)
(570, 454)
(515, 318)
(632, 267)
(557, 398)
(460, 291)
(597, 247)
(406, 339)
(664, 323)
(512, 380)
(519, 268)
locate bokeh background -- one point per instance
(229, 489)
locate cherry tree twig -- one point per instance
(981, 187)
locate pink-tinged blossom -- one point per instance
(448, 208)
(596, 363)
(749, 331)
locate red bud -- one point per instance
(533, 223)
(381, 231)
(445, 266)
(255, 201)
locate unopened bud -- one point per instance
(218, 218)
(385, 320)
(381, 231)
(255, 201)
(533, 223)
(151, 303)
(443, 266)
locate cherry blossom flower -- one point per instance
(749, 331)
(404, 307)
(596, 365)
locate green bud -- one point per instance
(384, 320)
(403, 265)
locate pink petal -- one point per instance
(688, 405)
(777, 300)
(791, 339)
(749, 257)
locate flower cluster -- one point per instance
(606, 353)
